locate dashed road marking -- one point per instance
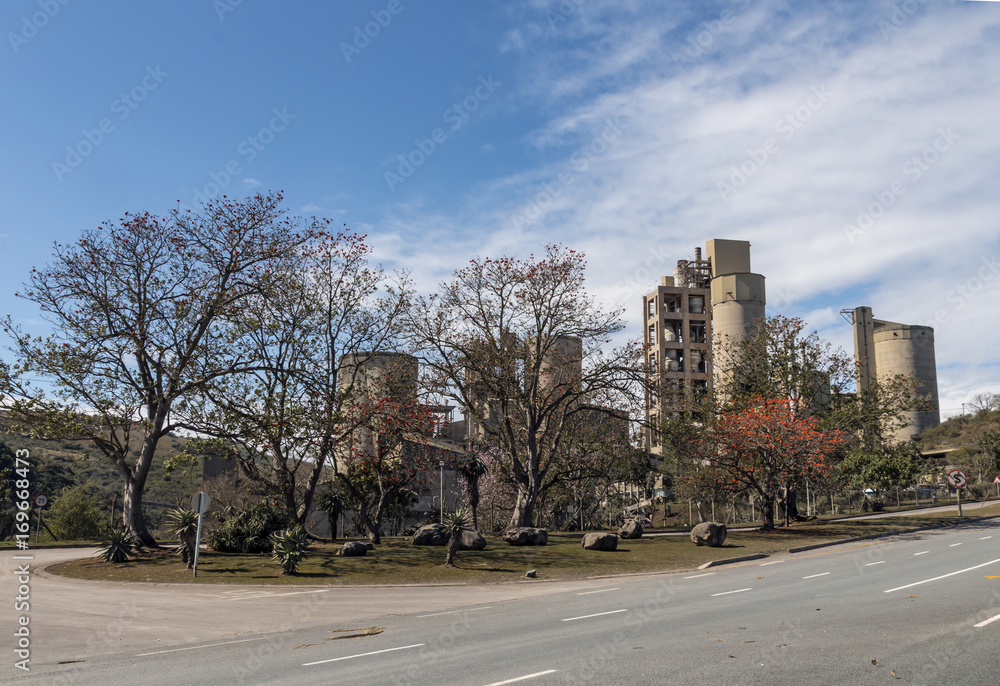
(880, 562)
(698, 576)
(351, 657)
(209, 645)
(729, 592)
(987, 621)
(813, 576)
(923, 552)
(599, 614)
(603, 590)
(943, 576)
(522, 678)
(455, 612)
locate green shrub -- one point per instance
(76, 514)
(249, 528)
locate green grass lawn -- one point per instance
(395, 561)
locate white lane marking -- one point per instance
(943, 576)
(698, 576)
(374, 652)
(728, 592)
(924, 552)
(954, 544)
(813, 576)
(985, 537)
(775, 562)
(987, 621)
(880, 562)
(522, 678)
(209, 645)
(455, 612)
(599, 614)
(278, 595)
(603, 590)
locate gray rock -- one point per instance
(600, 542)
(432, 534)
(630, 529)
(712, 534)
(526, 535)
(471, 540)
(354, 549)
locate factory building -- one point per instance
(706, 302)
(884, 348)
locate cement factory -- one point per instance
(716, 297)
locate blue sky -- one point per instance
(856, 145)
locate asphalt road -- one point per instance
(917, 609)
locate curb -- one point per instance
(869, 537)
(745, 558)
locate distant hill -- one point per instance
(958, 432)
(57, 464)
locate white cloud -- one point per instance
(825, 114)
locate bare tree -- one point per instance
(140, 312)
(518, 344)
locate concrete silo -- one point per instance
(884, 348)
(738, 297)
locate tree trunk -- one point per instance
(524, 508)
(133, 517)
(456, 537)
(767, 512)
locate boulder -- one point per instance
(471, 540)
(354, 549)
(630, 529)
(432, 534)
(526, 535)
(600, 542)
(712, 534)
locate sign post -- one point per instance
(199, 503)
(40, 502)
(997, 482)
(441, 479)
(957, 480)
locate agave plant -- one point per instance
(454, 523)
(290, 548)
(184, 525)
(119, 545)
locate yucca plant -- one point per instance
(119, 545)
(184, 525)
(454, 523)
(290, 548)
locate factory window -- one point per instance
(654, 439)
(652, 334)
(652, 307)
(652, 360)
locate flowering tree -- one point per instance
(761, 447)
(517, 343)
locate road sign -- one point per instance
(996, 480)
(200, 502)
(41, 500)
(957, 478)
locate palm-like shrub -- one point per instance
(118, 546)
(290, 548)
(184, 525)
(454, 523)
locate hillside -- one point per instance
(962, 431)
(57, 464)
